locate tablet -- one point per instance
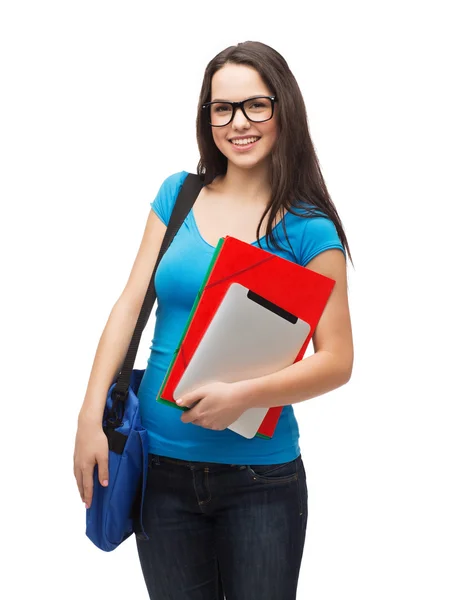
(248, 337)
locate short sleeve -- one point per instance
(164, 202)
(319, 234)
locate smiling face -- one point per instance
(235, 83)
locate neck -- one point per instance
(246, 185)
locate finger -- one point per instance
(88, 485)
(79, 482)
(103, 473)
(185, 418)
(190, 416)
(190, 407)
(189, 399)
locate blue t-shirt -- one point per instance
(178, 279)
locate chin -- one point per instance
(247, 162)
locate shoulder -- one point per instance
(165, 199)
(315, 232)
(173, 183)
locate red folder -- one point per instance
(294, 288)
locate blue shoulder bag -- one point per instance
(116, 510)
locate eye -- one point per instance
(221, 108)
(257, 104)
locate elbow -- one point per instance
(347, 370)
(344, 368)
(347, 377)
(128, 306)
(340, 368)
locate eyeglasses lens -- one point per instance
(258, 109)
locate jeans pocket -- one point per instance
(281, 473)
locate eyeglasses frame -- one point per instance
(236, 105)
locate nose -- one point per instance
(239, 120)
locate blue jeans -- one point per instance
(218, 529)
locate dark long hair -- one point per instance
(295, 174)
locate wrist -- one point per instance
(248, 393)
(88, 418)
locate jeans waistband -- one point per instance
(208, 466)
(157, 459)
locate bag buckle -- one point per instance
(113, 419)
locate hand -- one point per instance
(91, 447)
(213, 406)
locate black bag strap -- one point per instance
(184, 202)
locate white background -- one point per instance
(98, 106)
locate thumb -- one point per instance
(187, 400)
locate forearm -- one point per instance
(315, 375)
(110, 354)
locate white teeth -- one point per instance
(245, 141)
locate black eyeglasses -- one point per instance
(257, 109)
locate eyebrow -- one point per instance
(248, 98)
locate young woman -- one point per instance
(226, 514)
